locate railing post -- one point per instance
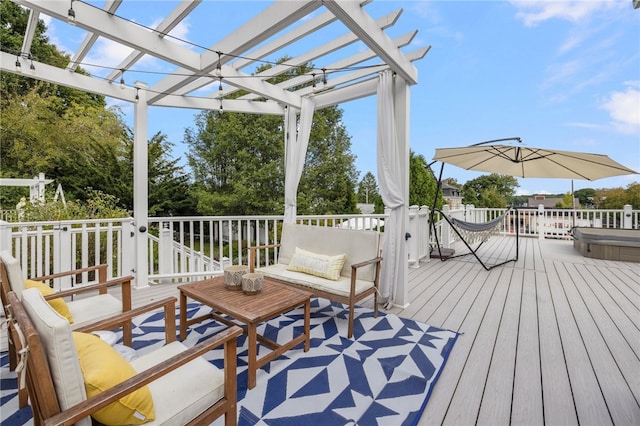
(62, 254)
(5, 237)
(165, 251)
(415, 237)
(541, 222)
(128, 242)
(423, 234)
(627, 219)
(446, 229)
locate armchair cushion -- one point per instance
(319, 265)
(58, 304)
(199, 379)
(102, 368)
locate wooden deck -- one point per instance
(553, 338)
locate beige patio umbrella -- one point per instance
(527, 162)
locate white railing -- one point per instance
(186, 248)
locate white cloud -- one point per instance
(624, 108)
(533, 13)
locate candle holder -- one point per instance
(252, 283)
(233, 276)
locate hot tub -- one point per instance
(608, 244)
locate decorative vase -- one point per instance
(233, 276)
(252, 283)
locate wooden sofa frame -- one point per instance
(350, 300)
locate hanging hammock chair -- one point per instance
(473, 235)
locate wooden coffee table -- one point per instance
(274, 299)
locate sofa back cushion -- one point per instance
(357, 245)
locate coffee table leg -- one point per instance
(252, 336)
(307, 324)
(183, 316)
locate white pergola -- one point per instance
(379, 68)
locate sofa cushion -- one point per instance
(317, 264)
(201, 381)
(55, 334)
(58, 304)
(341, 287)
(103, 368)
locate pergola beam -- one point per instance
(32, 24)
(164, 27)
(344, 63)
(72, 79)
(275, 18)
(361, 24)
(119, 30)
(328, 47)
(90, 39)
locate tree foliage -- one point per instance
(422, 183)
(238, 163)
(616, 198)
(13, 23)
(492, 190)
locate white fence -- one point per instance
(184, 248)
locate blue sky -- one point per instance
(560, 74)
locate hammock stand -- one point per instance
(469, 233)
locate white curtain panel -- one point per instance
(389, 178)
(295, 154)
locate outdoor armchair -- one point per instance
(178, 386)
(84, 304)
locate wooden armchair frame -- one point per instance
(46, 408)
(101, 287)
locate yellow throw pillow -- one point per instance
(102, 368)
(58, 304)
(319, 265)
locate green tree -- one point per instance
(616, 198)
(492, 190)
(13, 23)
(368, 192)
(422, 183)
(367, 189)
(566, 202)
(585, 196)
(329, 178)
(81, 148)
(169, 187)
(238, 163)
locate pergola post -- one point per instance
(141, 186)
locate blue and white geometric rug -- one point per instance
(382, 376)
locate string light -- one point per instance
(137, 96)
(219, 66)
(32, 67)
(71, 14)
(324, 76)
(220, 93)
(18, 64)
(122, 79)
(313, 77)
